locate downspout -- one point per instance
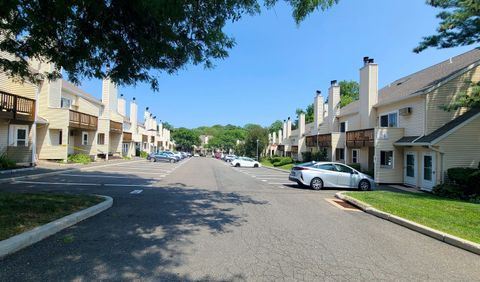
(34, 127)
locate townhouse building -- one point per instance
(401, 133)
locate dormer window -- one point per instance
(389, 120)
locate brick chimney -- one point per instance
(333, 104)
(368, 93)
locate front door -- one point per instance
(428, 171)
(411, 168)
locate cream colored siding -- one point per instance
(414, 122)
(338, 141)
(87, 107)
(462, 147)
(3, 137)
(353, 122)
(436, 116)
(26, 90)
(384, 139)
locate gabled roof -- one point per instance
(68, 86)
(443, 131)
(428, 79)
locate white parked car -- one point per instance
(245, 162)
(330, 174)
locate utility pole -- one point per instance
(257, 150)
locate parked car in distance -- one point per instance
(162, 157)
(245, 162)
(229, 158)
(318, 175)
(196, 155)
(176, 156)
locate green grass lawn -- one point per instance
(458, 218)
(23, 212)
(269, 164)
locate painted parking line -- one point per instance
(136, 191)
(119, 171)
(109, 176)
(56, 183)
(271, 183)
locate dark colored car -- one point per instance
(161, 157)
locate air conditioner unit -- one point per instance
(405, 111)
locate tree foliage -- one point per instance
(275, 126)
(349, 92)
(466, 99)
(185, 138)
(123, 39)
(250, 146)
(459, 24)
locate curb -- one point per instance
(277, 169)
(436, 234)
(20, 241)
(60, 171)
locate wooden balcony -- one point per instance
(360, 138)
(83, 121)
(127, 137)
(144, 138)
(152, 139)
(116, 127)
(17, 108)
(320, 141)
(294, 149)
(281, 147)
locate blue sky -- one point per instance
(276, 65)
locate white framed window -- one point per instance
(101, 138)
(386, 159)
(84, 138)
(19, 134)
(355, 154)
(343, 126)
(389, 120)
(125, 148)
(65, 103)
(340, 154)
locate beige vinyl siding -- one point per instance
(462, 147)
(3, 137)
(413, 123)
(436, 116)
(87, 107)
(353, 122)
(384, 139)
(338, 141)
(103, 127)
(26, 90)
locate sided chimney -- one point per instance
(122, 107)
(318, 110)
(109, 95)
(368, 93)
(289, 127)
(333, 104)
(133, 115)
(301, 125)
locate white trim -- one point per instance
(393, 159)
(358, 156)
(14, 134)
(84, 133)
(386, 114)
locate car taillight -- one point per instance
(299, 168)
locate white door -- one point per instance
(411, 168)
(71, 142)
(428, 171)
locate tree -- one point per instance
(185, 138)
(349, 92)
(459, 24)
(122, 39)
(256, 133)
(466, 99)
(167, 125)
(275, 126)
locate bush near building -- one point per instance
(462, 183)
(79, 158)
(143, 154)
(6, 163)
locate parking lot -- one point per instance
(203, 220)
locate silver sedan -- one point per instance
(330, 174)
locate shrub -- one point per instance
(459, 175)
(6, 163)
(143, 154)
(355, 166)
(307, 156)
(79, 158)
(126, 158)
(448, 190)
(473, 183)
(282, 161)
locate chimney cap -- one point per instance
(121, 95)
(146, 109)
(371, 61)
(365, 59)
(318, 92)
(133, 99)
(333, 82)
(288, 118)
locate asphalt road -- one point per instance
(203, 220)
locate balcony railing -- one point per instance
(360, 138)
(127, 137)
(323, 140)
(83, 121)
(16, 107)
(294, 149)
(144, 138)
(281, 147)
(116, 127)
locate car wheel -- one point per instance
(316, 184)
(364, 185)
(172, 161)
(255, 165)
(237, 165)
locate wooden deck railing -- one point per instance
(83, 121)
(360, 138)
(127, 137)
(116, 127)
(323, 140)
(144, 138)
(16, 107)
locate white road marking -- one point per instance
(127, 185)
(119, 171)
(109, 176)
(139, 169)
(57, 183)
(115, 164)
(264, 180)
(290, 183)
(136, 192)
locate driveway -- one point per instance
(201, 219)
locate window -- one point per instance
(65, 103)
(125, 147)
(84, 138)
(389, 120)
(342, 168)
(340, 154)
(101, 138)
(21, 136)
(343, 126)
(60, 137)
(386, 159)
(355, 156)
(326, 167)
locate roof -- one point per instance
(351, 108)
(76, 90)
(445, 130)
(428, 79)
